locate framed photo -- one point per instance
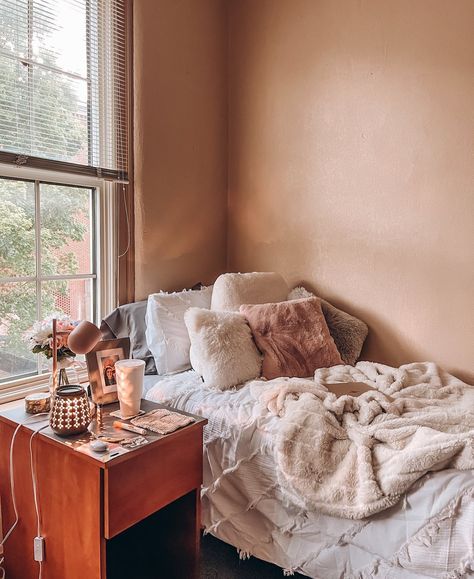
(101, 368)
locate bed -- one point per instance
(430, 533)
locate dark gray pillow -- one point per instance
(129, 321)
(348, 332)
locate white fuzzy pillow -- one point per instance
(232, 290)
(166, 333)
(222, 348)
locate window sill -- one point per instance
(18, 389)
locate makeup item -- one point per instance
(129, 375)
(129, 427)
(134, 442)
(113, 439)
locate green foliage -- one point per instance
(64, 131)
(64, 212)
(62, 209)
(48, 352)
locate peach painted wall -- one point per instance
(180, 138)
(351, 139)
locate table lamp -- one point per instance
(70, 412)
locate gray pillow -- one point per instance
(348, 332)
(129, 321)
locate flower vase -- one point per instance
(67, 373)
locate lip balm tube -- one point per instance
(129, 427)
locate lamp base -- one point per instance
(70, 413)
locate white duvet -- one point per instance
(429, 533)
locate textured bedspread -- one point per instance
(429, 533)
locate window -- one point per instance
(63, 153)
(63, 94)
(48, 263)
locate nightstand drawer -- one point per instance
(147, 481)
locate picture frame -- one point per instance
(101, 369)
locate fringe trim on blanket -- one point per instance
(370, 571)
(342, 541)
(465, 566)
(429, 531)
(216, 484)
(351, 533)
(249, 507)
(297, 522)
(426, 535)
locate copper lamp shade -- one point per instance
(83, 338)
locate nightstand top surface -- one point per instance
(79, 444)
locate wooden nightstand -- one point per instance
(136, 515)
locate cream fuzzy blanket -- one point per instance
(354, 456)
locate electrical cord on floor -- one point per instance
(12, 486)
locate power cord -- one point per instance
(12, 487)
(34, 482)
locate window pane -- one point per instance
(17, 227)
(66, 230)
(14, 27)
(63, 81)
(14, 106)
(59, 34)
(17, 314)
(59, 117)
(72, 297)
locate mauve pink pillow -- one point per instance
(293, 337)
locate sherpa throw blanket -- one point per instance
(354, 456)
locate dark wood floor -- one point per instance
(221, 561)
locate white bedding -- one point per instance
(428, 534)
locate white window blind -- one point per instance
(63, 85)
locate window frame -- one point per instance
(115, 213)
(105, 252)
(98, 94)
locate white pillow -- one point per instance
(166, 333)
(232, 290)
(222, 348)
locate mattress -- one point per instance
(430, 533)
